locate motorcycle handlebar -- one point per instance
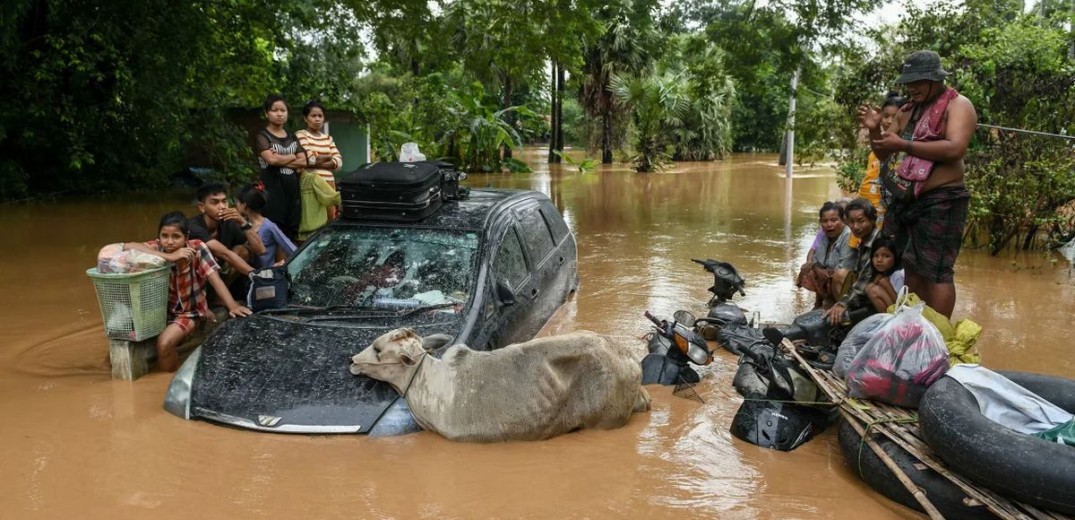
(655, 321)
(754, 356)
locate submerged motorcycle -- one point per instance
(673, 346)
(775, 388)
(726, 282)
(727, 323)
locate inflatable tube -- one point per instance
(941, 492)
(1013, 464)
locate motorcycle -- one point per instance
(781, 408)
(673, 346)
(820, 339)
(726, 282)
(727, 323)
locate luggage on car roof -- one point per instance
(392, 191)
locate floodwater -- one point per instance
(75, 444)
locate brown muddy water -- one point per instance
(75, 444)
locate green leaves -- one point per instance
(1017, 71)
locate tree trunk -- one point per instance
(510, 116)
(554, 127)
(559, 110)
(606, 138)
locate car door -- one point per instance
(511, 271)
(565, 255)
(539, 246)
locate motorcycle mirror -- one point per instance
(685, 318)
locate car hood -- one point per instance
(273, 374)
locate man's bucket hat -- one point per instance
(922, 65)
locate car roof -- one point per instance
(470, 213)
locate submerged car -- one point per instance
(489, 270)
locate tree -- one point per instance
(118, 96)
(566, 24)
(497, 40)
(770, 42)
(705, 132)
(1017, 70)
(657, 105)
(625, 47)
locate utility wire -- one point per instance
(1033, 132)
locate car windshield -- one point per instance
(352, 266)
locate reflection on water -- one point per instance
(78, 445)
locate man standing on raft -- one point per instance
(928, 200)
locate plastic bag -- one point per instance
(855, 340)
(1063, 434)
(959, 338)
(409, 153)
(114, 259)
(902, 359)
(120, 320)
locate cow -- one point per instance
(523, 392)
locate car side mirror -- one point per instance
(505, 294)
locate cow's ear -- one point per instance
(435, 341)
(406, 360)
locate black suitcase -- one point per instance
(450, 188)
(392, 191)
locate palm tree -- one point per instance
(624, 48)
(657, 105)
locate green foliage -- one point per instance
(121, 95)
(448, 118)
(657, 104)
(1019, 184)
(1017, 70)
(704, 130)
(625, 47)
(587, 165)
(851, 169)
(770, 41)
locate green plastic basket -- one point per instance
(134, 306)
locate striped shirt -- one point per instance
(318, 145)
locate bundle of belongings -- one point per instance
(1006, 403)
(895, 357)
(113, 259)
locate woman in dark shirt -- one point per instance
(280, 156)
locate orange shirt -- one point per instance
(870, 189)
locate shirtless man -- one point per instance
(928, 223)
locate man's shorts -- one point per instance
(932, 226)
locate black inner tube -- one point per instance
(1016, 465)
(941, 492)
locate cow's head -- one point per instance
(394, 356)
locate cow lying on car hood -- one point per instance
(527, 391)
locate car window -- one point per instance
(385, 267)
(509, 266)
(555, 221)
(536, 233)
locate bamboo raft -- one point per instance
(901, 426)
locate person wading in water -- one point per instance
(928, 198)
